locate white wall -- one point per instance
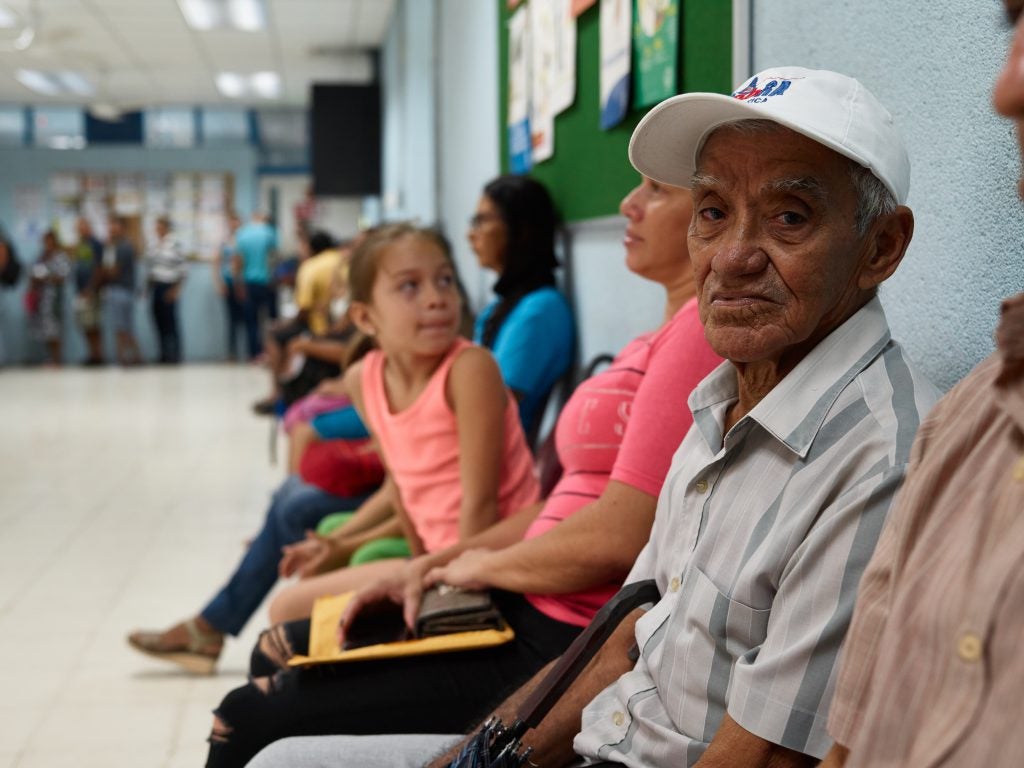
(933, 65)
(468, 152)
(408, 73)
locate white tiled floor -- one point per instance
(125, 498)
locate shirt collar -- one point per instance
(795, 409)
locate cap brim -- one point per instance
(665, 143)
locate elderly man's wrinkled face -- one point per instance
(774, 244)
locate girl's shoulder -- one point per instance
(472, 368)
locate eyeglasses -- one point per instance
(477, 220)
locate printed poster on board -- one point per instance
(553, 70)
(519, 151)
(655, 51)
(616, 40)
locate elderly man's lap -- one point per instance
(385, 751)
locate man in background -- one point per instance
(119, 276)
(255, 246)
(87, 257)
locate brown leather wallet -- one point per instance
(445, 609)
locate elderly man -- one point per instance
(932, 673)
(778, 493)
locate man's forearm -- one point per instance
(836, 757)
(735, 747)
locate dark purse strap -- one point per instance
(568, 667)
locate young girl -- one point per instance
(445, 425)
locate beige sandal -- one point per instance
(199, 655)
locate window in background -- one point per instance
(59, 127)
(12, 126)
(170, 127)
(224, 126)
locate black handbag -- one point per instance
(496, 745)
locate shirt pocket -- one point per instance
(737, 627)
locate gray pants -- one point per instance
(387, 751)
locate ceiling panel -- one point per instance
(142, 49)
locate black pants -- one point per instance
(442, 693)
(165, 315)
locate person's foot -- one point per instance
(193, 645)
(92, 362)
(265, 407)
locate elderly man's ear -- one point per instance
(887, 239)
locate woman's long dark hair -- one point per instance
(532, 223)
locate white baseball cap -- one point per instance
(832, 109)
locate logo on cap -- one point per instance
(755, 95)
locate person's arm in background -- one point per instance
(596, 545)
(216, 268)
(320, 347)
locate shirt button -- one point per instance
(968, 647)
(1018, 470)
(702, 486)
(618, 718)
(674, 584)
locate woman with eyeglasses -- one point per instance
(529, 326)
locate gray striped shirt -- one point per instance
(757, 547)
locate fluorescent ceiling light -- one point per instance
(8, 19)
(246, 15)
(75, 83)
(266, 84)
(231, 85)
(201, 14)
(40, 82)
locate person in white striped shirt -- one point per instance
(167, 270)
(776, 497)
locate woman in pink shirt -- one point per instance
(552, 564)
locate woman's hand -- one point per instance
(468, 570)
(404, 589)
(314, 555)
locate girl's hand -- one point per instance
(468, 570)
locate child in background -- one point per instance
(447, 428)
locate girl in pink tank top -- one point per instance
(446, 428)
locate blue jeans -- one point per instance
(259, 299)
(296, 507)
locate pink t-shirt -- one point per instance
(645, 389)
(420, 448)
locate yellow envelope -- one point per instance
(323, 639)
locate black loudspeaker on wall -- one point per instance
(346, 140)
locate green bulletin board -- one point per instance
(589, 172)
